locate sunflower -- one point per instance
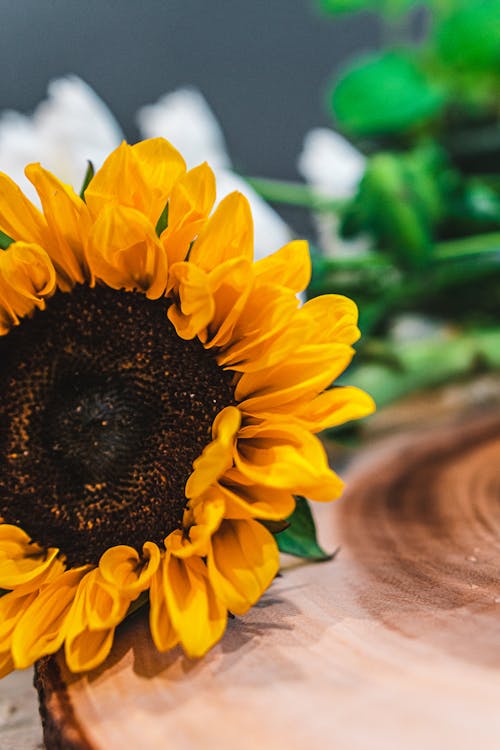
(159, 398)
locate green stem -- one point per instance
(468, 246)
(294, 194)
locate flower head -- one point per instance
(159, 398)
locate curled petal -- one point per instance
(285, 456)
(124, 252)
(201, 519)
(256, 501)
(334, 318)
(21, 561)
(242, 563)
(88, 649)
(196, 305)
(27, 277)
(218, 455)
(127, 571)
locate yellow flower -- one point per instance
(160, 395)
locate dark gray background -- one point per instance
(263, 65)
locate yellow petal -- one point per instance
(285, 456)
(6, 664)
(125, 253)
(12, 608)
(308, 372)
(228, 234)
(289, 266)
(196, 304)
(332, 408)
(42, 628)
(230, 284)
(27, 277)
(335, 318)
(68, 221)
(160, 166)
(256, 501)
(191, 201)
(21, 561)
(88, 649)
(18, 216)
(139, 177)
(127, 571)
(217, 456)
(197, 615)
(265, 318)
(104, 606)
(162, 631)
(242, 563)
(201, 519)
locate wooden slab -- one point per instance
(393, 644)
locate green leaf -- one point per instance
(469, 37)
(299, 538)
(86, 180)
(385, 93)
(400, 201)
(5, 240)
(162, 222)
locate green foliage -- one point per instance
(385, 93)
(299, 538)
(469, 36)
(399, 202)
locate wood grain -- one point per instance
(394, 644)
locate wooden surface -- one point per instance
(395, 644)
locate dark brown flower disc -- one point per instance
(103, 409)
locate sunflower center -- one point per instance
(103, 409)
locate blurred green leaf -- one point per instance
(425, 363)
(469, 36)
(383, 94)
(399, 202)
(300, 539)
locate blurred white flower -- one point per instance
(330, 163)
(185, 119)
(333, 167)
(70, 127)
(73, 125)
